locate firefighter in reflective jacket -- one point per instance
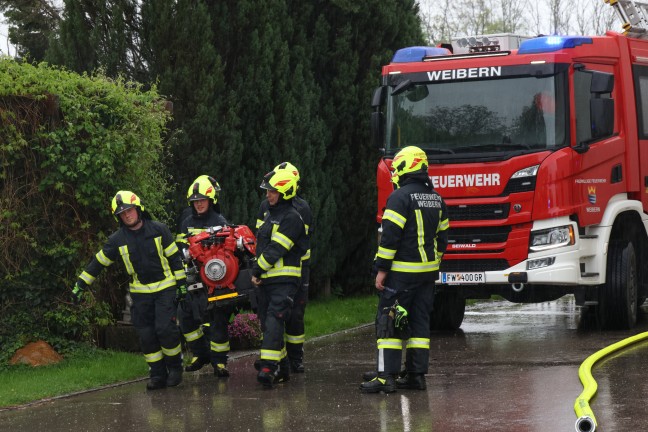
(414, 238)
(203, 198)
(295, 326)
(151, 258)
(281, 243)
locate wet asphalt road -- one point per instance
(510, 368)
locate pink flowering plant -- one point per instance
(246, 327)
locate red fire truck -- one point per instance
(541, 154)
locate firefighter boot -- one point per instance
(382, 383)
(158, 374)
(297, 366)
(369, 375)
(196, 364)
(267, 375)
(283, 373)
(413, 381)
(220, 370)
(175, 377)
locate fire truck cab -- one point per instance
(540, 151)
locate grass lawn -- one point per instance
(87, 369)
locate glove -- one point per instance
(77, 294)
(181, 292)
(385, 325)
(400, 317)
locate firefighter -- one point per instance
(295, 326)
(202, 197)
(281, 244)
(414, 238)
(151, 258)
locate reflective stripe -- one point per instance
(123, 251)
(153, 357)
(282, 271)
(299, 339)
(170, 352)
(259, 222)
(87, 278)
(165, 263)
(389, 344)
(263, 263)
(103, 259)
(170, 250)
(271, 355)
(423, 343)
(385, 253)
(394, 217)
(179, 274)
(444, 224)
(138, 287)
(196, 334)
(222, 347)
(306, 227)
(306, 256)
(420, 232)
(180, 238)
(282, 240)
(415, 267)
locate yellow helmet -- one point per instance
(123, 200)
(287, 166)
(204, 187)
(409, 160)
(283, 181)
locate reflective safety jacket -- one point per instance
(195, 224)
(149, 254)
(414, 232)
(304, 210)
(281, 244)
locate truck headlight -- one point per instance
(551, 238)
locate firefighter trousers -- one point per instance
(417, 299)
(275, 305)
(295, 326)
(219, 317)
(154, 319)
(192, 329)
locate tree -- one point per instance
(31, 24)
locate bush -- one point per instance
(246, 327)
(68, 142)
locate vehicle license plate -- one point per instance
(462, 278)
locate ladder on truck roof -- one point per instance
(634, 15)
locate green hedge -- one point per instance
(68, 142)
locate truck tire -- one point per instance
(448, 312)
(618, 301)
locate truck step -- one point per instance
(588, 274)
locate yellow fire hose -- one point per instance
(586, 421)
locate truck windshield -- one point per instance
(484, 118)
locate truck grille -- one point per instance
(478, 235)
(473, 265)
(478, 212)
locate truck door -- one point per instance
(600, 151)
(641, 93)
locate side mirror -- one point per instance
(602, 83)
(378, 118)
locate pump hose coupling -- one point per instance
(585, 424)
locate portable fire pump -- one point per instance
(219, 261)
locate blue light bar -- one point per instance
(418, 53)
(551, 44)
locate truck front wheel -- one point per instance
(448, 312)
(618, 301)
